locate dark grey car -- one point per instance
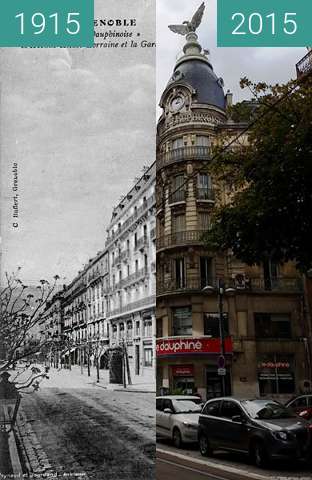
(264, 429)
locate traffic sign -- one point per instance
(222, 372)
(221, 361)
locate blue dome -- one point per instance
(201, 77)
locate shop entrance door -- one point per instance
(185, 384)
(137, 359)
(214, 383)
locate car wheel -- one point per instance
(204, 446)
(259, 454)
(176, 438)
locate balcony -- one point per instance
(144, 302)
(191, 237)
(141, 243)
(205, 194)
(280, 285)
(174, 286)
(177, 195)
(134, 277)
(304, 66)
(149, 203)
(257, 285)
(183, 154)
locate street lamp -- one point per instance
(221, 290)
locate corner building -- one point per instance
(263, 321)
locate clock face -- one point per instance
(177, 103)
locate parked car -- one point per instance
(263, 429)
(177, 418)
(302, 405)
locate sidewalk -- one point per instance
(65, 378)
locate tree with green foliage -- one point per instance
(269, 212)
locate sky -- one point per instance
(271, 65)
(80, 123)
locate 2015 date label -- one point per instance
(263, 23)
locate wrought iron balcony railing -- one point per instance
(281, 285)
(149, 203)
(141, 243)
(144, 302)
(183, 154)
(205, 194)
(187, 237)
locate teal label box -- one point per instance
(264, 23)
(46, 23)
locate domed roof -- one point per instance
(195, 70)
(201, 77)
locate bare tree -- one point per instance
(20, 312)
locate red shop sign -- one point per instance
(191, 345)
(183, 370)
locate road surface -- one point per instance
(91, 432)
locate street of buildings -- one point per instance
(111, 301)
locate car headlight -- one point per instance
(281, 435)
(190, 425)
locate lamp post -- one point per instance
(9, 404)
(221, 290)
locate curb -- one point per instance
(241, 474)
(128, 390)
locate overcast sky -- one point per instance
(80, 123)
(271, 65)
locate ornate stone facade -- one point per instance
(263, 322)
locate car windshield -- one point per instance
(186, 406)
(264, 409)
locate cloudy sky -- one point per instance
(260, 64)
(80, 124)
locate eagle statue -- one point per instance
(188, 27)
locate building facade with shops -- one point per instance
(131, 287)
(264, 324)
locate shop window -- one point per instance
(177, 189)
(180, 272)
(182, 321)
(271, 325)
(230, 409)
(148, 357)
(205, 271)
(211, 324)
(276, 374)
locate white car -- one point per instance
(177, 418)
